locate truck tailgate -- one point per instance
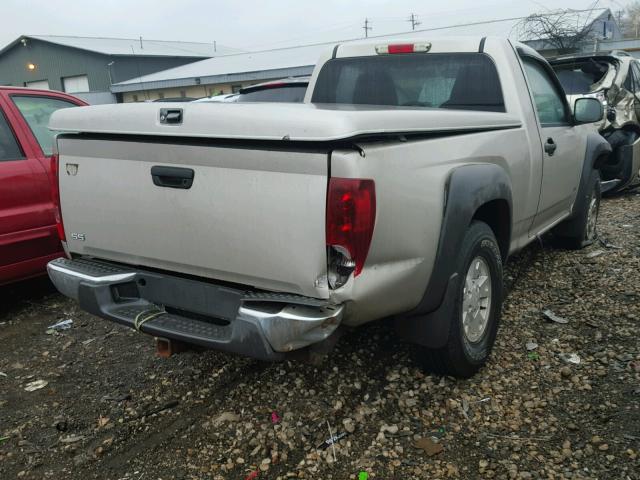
(251, 216)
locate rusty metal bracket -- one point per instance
(166, 347)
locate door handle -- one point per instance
(172, 177)
(550, 146)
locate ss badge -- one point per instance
(79, 236)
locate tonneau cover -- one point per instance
(269, 121)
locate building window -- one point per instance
(183, 93)
(75, 84)
(42, 84)
(160, 94)
(135, 98)
(235, 88)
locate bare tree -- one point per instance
(630, 20)
(560, 30)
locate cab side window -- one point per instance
(548, 98)
(9, 148)
(37, 111)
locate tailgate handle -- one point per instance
(172, 177)
(171, 116)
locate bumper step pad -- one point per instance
(174, 326)
(91, 268)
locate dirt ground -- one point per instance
(112, 409)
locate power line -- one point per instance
(310, 34)
(430, 29)
(366, 28)
(541, 5)
(413, 19)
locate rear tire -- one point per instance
(477, 305)
(581, 230)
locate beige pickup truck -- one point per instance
(398, 188)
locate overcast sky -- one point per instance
(254, 24)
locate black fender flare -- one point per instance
(596, 152)
(467, 189)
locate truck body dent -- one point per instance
(411, 213)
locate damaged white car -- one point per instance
(614, 79)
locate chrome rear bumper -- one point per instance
(258, 324)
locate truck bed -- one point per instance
(254, 212)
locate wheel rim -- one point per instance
(476, 299)
(592, 219)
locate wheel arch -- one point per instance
(596, 153)
(473, 192)
(497, 214)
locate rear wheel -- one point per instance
(478, 302)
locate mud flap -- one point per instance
(432, 329)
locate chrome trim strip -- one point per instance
(118, 277)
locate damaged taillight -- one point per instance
(55, 195)
(351, 215)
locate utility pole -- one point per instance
(414, 21)
(366, 28)
(109, 72)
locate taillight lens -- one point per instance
(55, 195)
(395, 48)
(401, 48)
(351, 215)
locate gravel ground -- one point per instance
(112, 409)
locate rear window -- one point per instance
(285, 93)
(578, 79)
(462, 81)
(37, 111)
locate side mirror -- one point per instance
(587, 110)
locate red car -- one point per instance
(28, 234)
